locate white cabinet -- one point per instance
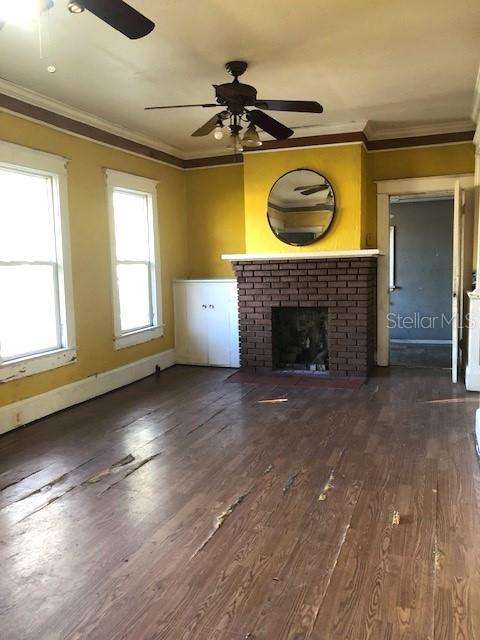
(206, 322)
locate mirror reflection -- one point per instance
(301, 206)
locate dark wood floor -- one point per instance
(184, 507)
(420, 356)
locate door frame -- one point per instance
(386, 189)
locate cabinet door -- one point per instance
(197, 322)
(191, 316)
(219, 324)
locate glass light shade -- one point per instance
(218, 132)
(76, 7)
(235, 143)
(251, 137)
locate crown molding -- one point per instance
(375, 131)
(58, 115)
(61, 108)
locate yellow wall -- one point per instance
(341, 165)
(90, 250)
(216, 222)
(418, 162)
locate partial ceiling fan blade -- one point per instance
(312, 189)
(301, 106)
(270, 125)
(208, 127)
(121, 16)
(308, 192)
(181, 106)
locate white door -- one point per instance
(456, 278)
(219, 329)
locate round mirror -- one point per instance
(301, 206)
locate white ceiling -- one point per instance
(395, 64)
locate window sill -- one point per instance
(137, 337)
(15, 369)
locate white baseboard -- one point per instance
(477, 431)
(472, 378)
(20, 413)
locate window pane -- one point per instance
(134, 295)
(26, 217)
(131, 226)
(28, 318)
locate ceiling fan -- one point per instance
(235, 97)
(116, 13)
(314, 188)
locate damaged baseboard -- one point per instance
(20, 413)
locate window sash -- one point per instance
(57, 310)
(56, 264)
(150, 264)
(151, 307)
(51, 185)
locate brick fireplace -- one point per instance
(343, 286)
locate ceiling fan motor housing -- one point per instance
(235, 95)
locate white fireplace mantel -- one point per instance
(308, 255)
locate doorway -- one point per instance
(463, 259)
(421, 273)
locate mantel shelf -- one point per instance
(308, 255)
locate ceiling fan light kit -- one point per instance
(234, 97)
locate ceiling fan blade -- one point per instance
(270, 125)
(301, 106)
(121, 16)
(208, 127)
(181, 106)
(312, 189)
(308, 192)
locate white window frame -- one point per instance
(144, 186)
(16, 157)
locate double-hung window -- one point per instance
(135, 258)
(36, 306)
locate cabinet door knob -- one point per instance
(211, 306)
(204, 306)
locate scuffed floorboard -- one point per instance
(185, 508)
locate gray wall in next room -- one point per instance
(423, 268)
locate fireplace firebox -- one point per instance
(300, 338)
